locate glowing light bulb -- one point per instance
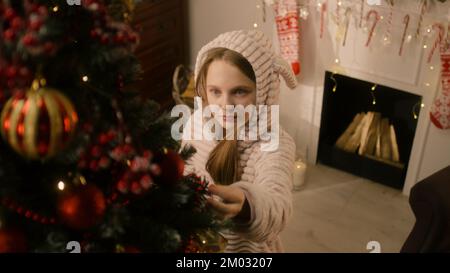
(409, 38)
(319, 7)
(386, 40)
(255, 25)
(428, 31)
(304, 13)
(61, 185)
(83, 180)
(55, 9)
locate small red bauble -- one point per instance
(12, 240)
(82, 207)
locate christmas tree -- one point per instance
(83, 157)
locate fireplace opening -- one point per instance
(367, 129)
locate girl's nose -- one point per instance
(228, 100)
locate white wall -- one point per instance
(209, 18)
(301, 108)
(437, 152)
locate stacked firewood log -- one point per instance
(371, 135)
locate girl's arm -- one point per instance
(269, 197)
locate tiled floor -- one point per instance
(339, 212)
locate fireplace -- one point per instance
(390, 122)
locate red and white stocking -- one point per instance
(440, 110)
(286, 17)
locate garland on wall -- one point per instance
(383, 18)
(367, 17)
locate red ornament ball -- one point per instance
(35, 24)
(172, 167)
(39, 124)
(119, 38)
(9, 34)
(29, 39)
(11, 71)
(12, 240)
(24, 72)
(9, 14)
(49, 48)
(82, 207)
(16, 23)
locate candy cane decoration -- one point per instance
(361, 16)
(422, 13)
(348, 12)
(263, 4)
(338, 11)
(377, 18)
(406, 22)
(438, 40)
(322, 18)
(388, 31)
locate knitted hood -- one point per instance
(257, 49)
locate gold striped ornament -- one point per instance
(40, 124)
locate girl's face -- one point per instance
(227, 85)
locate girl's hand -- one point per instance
(233, 204)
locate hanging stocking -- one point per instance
(440, 110)
(286, 17)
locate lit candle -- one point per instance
(299, 174)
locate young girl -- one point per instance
(253, 185)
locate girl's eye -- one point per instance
(240, 92)
(215, 92)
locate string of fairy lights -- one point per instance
(368, 17)
(83, 78)
(415, 109)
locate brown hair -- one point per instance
(223, 160)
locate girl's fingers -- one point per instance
(226, 210)
(218, 206)
(227, 193)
